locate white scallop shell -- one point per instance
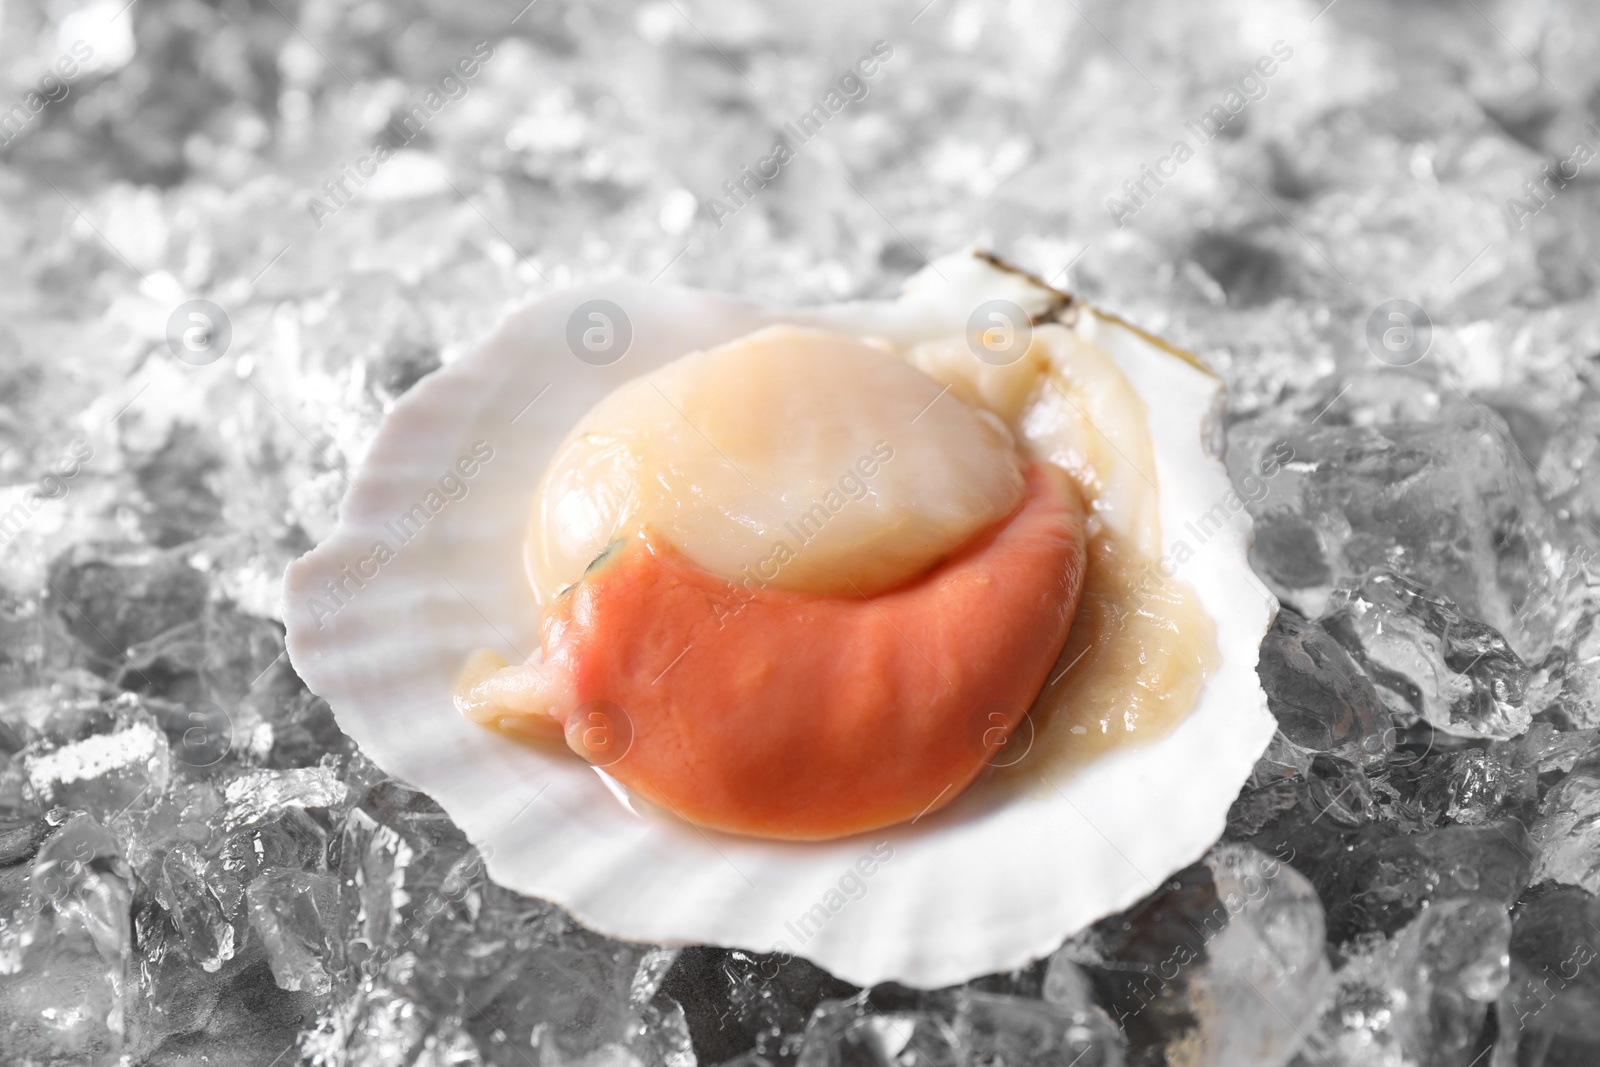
(971, 889)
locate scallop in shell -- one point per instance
(1088, 811)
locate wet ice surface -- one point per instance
(197, 867)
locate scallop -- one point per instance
(625, 425)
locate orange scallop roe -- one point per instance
(785, 714)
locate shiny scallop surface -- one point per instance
(796, 458)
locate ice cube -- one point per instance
(1553, 998)
(1363, 1022)
(1310, 820)
(1385, 879)
(1224, 964)
(740, 1003)
(113, 596)
(405, 360)
(189, 812)
(256, 794)
(1065, 982)
(74, 705)
(173, 997)
(1576, 671)
(65, 1006)
(65, 949)
(1452, 670)
(106, 773)
(1141, 960)
(296, 915)
(451, 1046)
(1421, 997)
(1021, 1032)
(852, 1033)
(181, 505)
(214, 658)
(373, 868)
(415, 814)
(1448, 503)
(1459, 950)
(287, 838)
(1546, 750)
(1264, 977)
(195, 904)
(302, 730)
(1320, 696)
(1260, 806)
(1476, 785)
(653, 968)
(659, 1036)
(1340, 792)
(1567, 832)
(78, 851)
(566, 992)
(20, 837)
